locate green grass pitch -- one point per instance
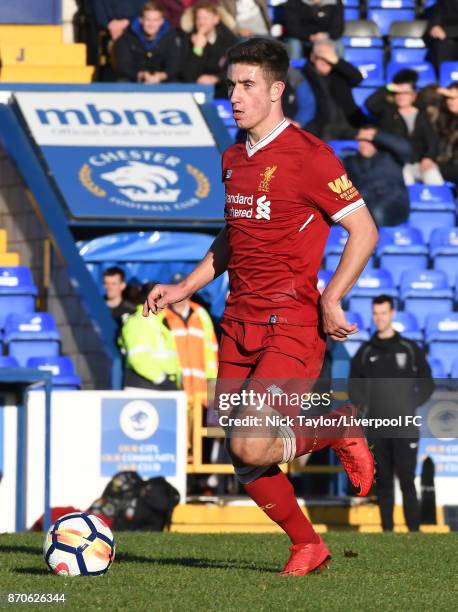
(238, 572)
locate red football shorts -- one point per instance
(270, 351)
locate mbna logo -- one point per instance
(91, 114)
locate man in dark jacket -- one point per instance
(115, 15)
(389, 379)
(394, 107)
(442, 33)
(331, 79)
(149, 51)
(308, 21)
(377, 170)
(204, 50)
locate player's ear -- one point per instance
(276, 90)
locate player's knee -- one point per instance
(248, 451)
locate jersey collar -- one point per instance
(251, 149)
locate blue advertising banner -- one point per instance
(139, 434)
(118, 155)
(439, 433)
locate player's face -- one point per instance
(250, 95)
(114, 286)
(382, 315)
(151, 22)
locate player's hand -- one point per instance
(162, 296)
(335, 324)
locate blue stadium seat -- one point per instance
(370, 63)
(407, 325)
(371, 283)
(426, 74)
(401, 248)
(351, 3)
(431, 206)
(6, 361)
(354, 341)
(384, 17)
(297, 62)
(342, 148)
(408, 55)
(337, 239)
(448, 72)
(351, 13)
(426, 291)
(324, 276)
(31, 335)
(391, 4)
(367, 42)
(441, 333)
(437, 367)
(63, 373)
(444, 251)
(360, 95)
(17, 291)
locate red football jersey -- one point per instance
(282, 194)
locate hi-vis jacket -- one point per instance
(196, 346)
(149, 347)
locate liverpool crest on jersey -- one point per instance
(266, 177)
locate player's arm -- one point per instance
(362, 239)
(211, 266)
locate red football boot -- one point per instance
(356, 458)
(307, 558)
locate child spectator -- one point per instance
(377, 170)
(205, 48)
(149, 50)
(395, 108)
(309, 21)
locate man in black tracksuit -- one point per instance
(390, 378)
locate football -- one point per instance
(79, 544)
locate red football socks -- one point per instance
(274, 494)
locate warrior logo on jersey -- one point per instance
(266, 177)
(343, 187)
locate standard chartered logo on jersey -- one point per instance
(144, 180)
(262, 206)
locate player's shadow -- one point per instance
(31, 571)
(195, 562)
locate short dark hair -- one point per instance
(383, 299)
(406, 75)
(115, 271)
(271, 55)
(152, 6)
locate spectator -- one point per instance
(377, 170)
(447, 129)
(310, 21)
(331, 79)
(442, 33)
(299, 104)
(115, 15)
(396, 111)
(251, 16)
(149, 349)
(148, 51)
(389, 378)
(196, 344)
(205, 48)
(114, 284)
